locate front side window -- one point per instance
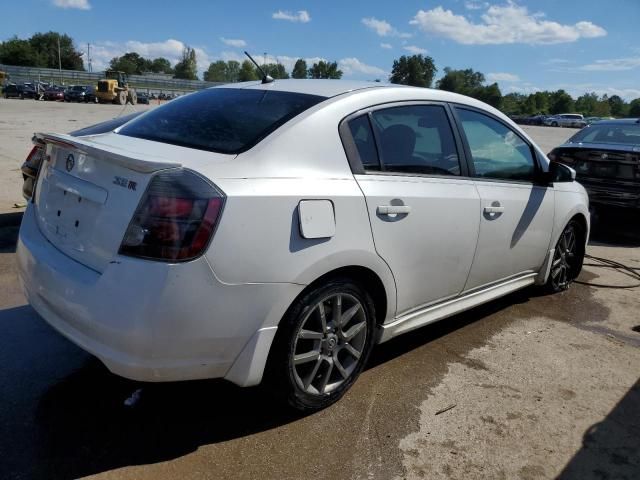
(416, 139)
(496, 150)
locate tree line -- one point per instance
(41, 50)
(234, 71)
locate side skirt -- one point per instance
(433, 313)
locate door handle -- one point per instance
(393, 209)
(494, 209)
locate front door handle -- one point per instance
(393, 209)
(494, 209)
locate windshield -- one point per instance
(223, 120)
(626, 134)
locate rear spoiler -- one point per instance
(126, 159)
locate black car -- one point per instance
(90, 95)
(606, 158)
(19, 91)
(143, 98)
(75, 93)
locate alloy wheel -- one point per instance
(564, 260)
(329, 343)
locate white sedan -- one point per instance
(280, 230)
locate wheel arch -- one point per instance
(250, 365)
(365, 277)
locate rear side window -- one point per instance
(223, 120)
(365, 142)
(416, 139)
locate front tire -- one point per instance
(567, 258)
(322, 345)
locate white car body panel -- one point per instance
(217, 315)
(430, 249)
(516, 240)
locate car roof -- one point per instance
(323, 88)
(618, 121)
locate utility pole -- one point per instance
(59, 60)
(265, 58)
(89, 56)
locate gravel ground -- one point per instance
(20, 119)
(541, 387)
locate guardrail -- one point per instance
(151, 84)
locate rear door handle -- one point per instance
(393, 209)
(494, 209)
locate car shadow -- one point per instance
(610, 447)
(9, 228)
(78, 424)
(618, 227)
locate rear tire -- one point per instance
(322, 345)
(567, 258)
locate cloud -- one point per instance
(79, 4)
(502, 24)
(415, 50)
(352, 66)
(612, 65)
(470, 5)
(238, 43)
(502, 77)
(302, 16)
(171, 49)
(383, 28)
(388, 46)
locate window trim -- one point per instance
(467, 150)
(353, 156)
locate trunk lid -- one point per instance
(601, 162)
(87, 193)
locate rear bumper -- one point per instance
(619, 196)
(153, 321)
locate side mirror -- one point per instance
(559, 172)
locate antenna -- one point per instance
(265, 78)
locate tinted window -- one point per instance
(497, 151)
(225, 120)
(628, 134)
(365, 142)
(416, 139)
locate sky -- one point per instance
(524, 45)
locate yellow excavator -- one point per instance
(114, 88)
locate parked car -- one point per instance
(566, 120)
(537, 120)
(75, 93)
(143, 98)
(280, 230)
(590, 120)
(19, 91)
(606, 157)
(54, 93)
(90, 94)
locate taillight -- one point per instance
(176, 218)
(30, 169)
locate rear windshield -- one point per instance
(223, 120)
(627, 134)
